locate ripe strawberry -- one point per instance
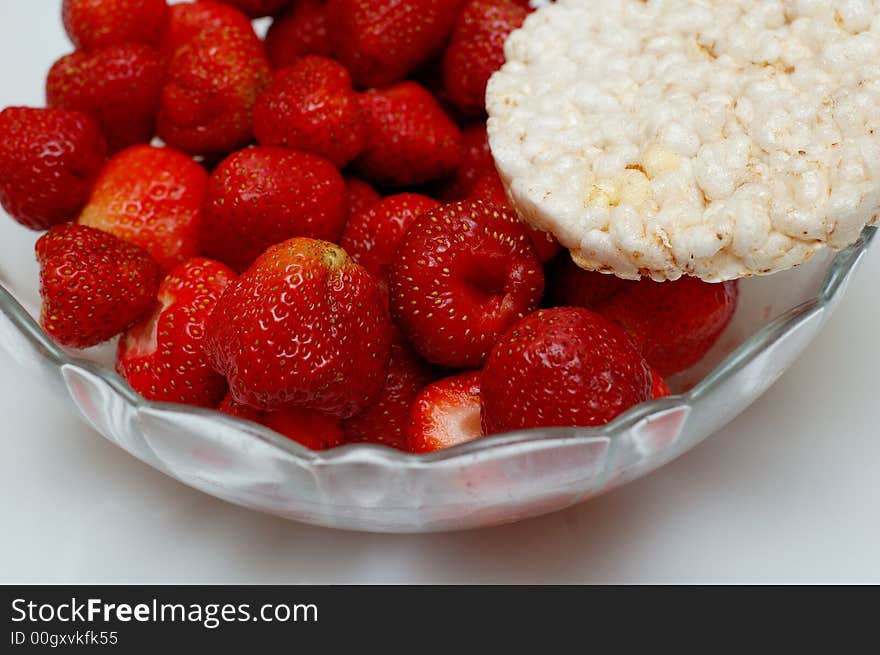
(659, 388)
(307, 427)
(464, 273)
(96, 24)
(163, 356)
(311, 106)
(476, 162)
(386, 420)
(562, 367)
(673, 323)
(490, 189)
(477, 50)
(93, 285)
(371, 237)
(301, 31)
(259, 8)
(118, 86)
(571, 286)
(303, 327)
(382, 41)
(445, 414)
(261, 196)
(213, 83)
(48, 161)
(151, 197)
(188, 20)
(409, 139)
(361, 195)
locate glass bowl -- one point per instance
(494, 480)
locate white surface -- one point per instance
(789, 492)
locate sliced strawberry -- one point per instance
(311, 106)
(361, 195)
(566, 366)
(49, 159)
(93, 285)
(261, 196)
(445, 414)
(303, 327)
(409, 138)
(118, 86)
(301, 31)
(464, 272)
(312, 429)
(96, 24)
(151, 197)
(163, 356)
(570, 285)
(188, 20)
(674, 324)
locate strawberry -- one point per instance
(382, 41)
(371, 237)
(93, 285)
(464, 272)
(303, 327)
(118, 86)
(445, 414)
(259, 8)
(409, 139)
(213, 83)
(151, 197)
(188, 20)
(490, 189)
(49, 159)
(301, 31)
(163, 356)
(386, 420)
(477, 50)
(571, 286)
(566, 366)
(673, 323)
(95, 24)
(361, 195)
(476, 162)
(659, 388)
(307, 427)
(261, 196)
(311, 106)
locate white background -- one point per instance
(789, 492)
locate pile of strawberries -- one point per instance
(321, 244)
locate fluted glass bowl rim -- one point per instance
(839, 272)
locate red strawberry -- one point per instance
(571, 286)
(213, 83)
(562, 367)
(303, 327)
(96, 24)
(490, 189)
(48, 161)
(259, 8)
(659, 388)
(307, 427)
(409, 139)
(261, 196)
(188, 20)
(301, 31)
(93, 285)
(477, 50)
(673, 323)
(151, 197)
(371, 237)
(382, 41)
(361, 195)
(163, 356)
(445, 414)
(476, 162)
(386, 420)
(464, 272)
(118, 86)
(311, 106)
